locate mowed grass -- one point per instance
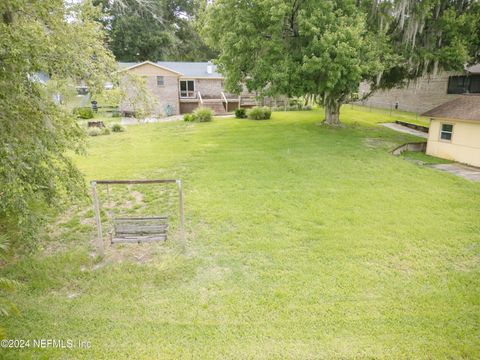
(392, 115)
(304, 242)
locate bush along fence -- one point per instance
(259, 113)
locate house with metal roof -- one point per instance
(454, 131)
(181, 87)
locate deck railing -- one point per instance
(225, 99)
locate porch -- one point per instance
(220, 104)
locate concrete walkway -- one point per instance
(133, 121)
(405, 129)
(467, 172)
(464, 171)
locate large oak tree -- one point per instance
(326, 48)
(426, 36)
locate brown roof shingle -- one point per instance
(465, 107)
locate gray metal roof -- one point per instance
(199, 69)
(187, 69)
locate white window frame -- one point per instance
(446, 132)
(187, 91)
(163, 80)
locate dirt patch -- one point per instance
(378, 143)
(135, 198)
(138, 196)
(138, 253)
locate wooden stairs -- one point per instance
(217, 106)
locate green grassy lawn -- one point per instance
(422, 158)
(393, 115)
(304, 242)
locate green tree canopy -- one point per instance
(326, 48)
(154, 30)
(42, 38)
(294, 47)
(426, 36)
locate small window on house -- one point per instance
(446, 132)
(160, 81)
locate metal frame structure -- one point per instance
(96, 204)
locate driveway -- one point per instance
(467, 172)
(405, 129)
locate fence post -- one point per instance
(96, 207)
(182, 220)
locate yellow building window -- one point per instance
(446, 132)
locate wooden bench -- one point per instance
(139, 229)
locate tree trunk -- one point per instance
(332, 113)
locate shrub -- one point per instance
(203, 114)
(294, 102)
(105, 131)
(241, 113)
(189, 117)
(267, 113)
(292, 108)
(259, 113)
(94, 131)
(116, 114)
(83, 113)
(255, 113)
(116, 127)
(128, 114)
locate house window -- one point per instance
(446, 132)
(160, 81)
(187, 88)
(464, 84)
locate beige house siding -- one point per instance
(166, 95)
(148, 69)
(464, 146)
(209, 87)
(418, 96)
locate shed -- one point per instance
(454, 132)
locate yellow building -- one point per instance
(454, 132)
